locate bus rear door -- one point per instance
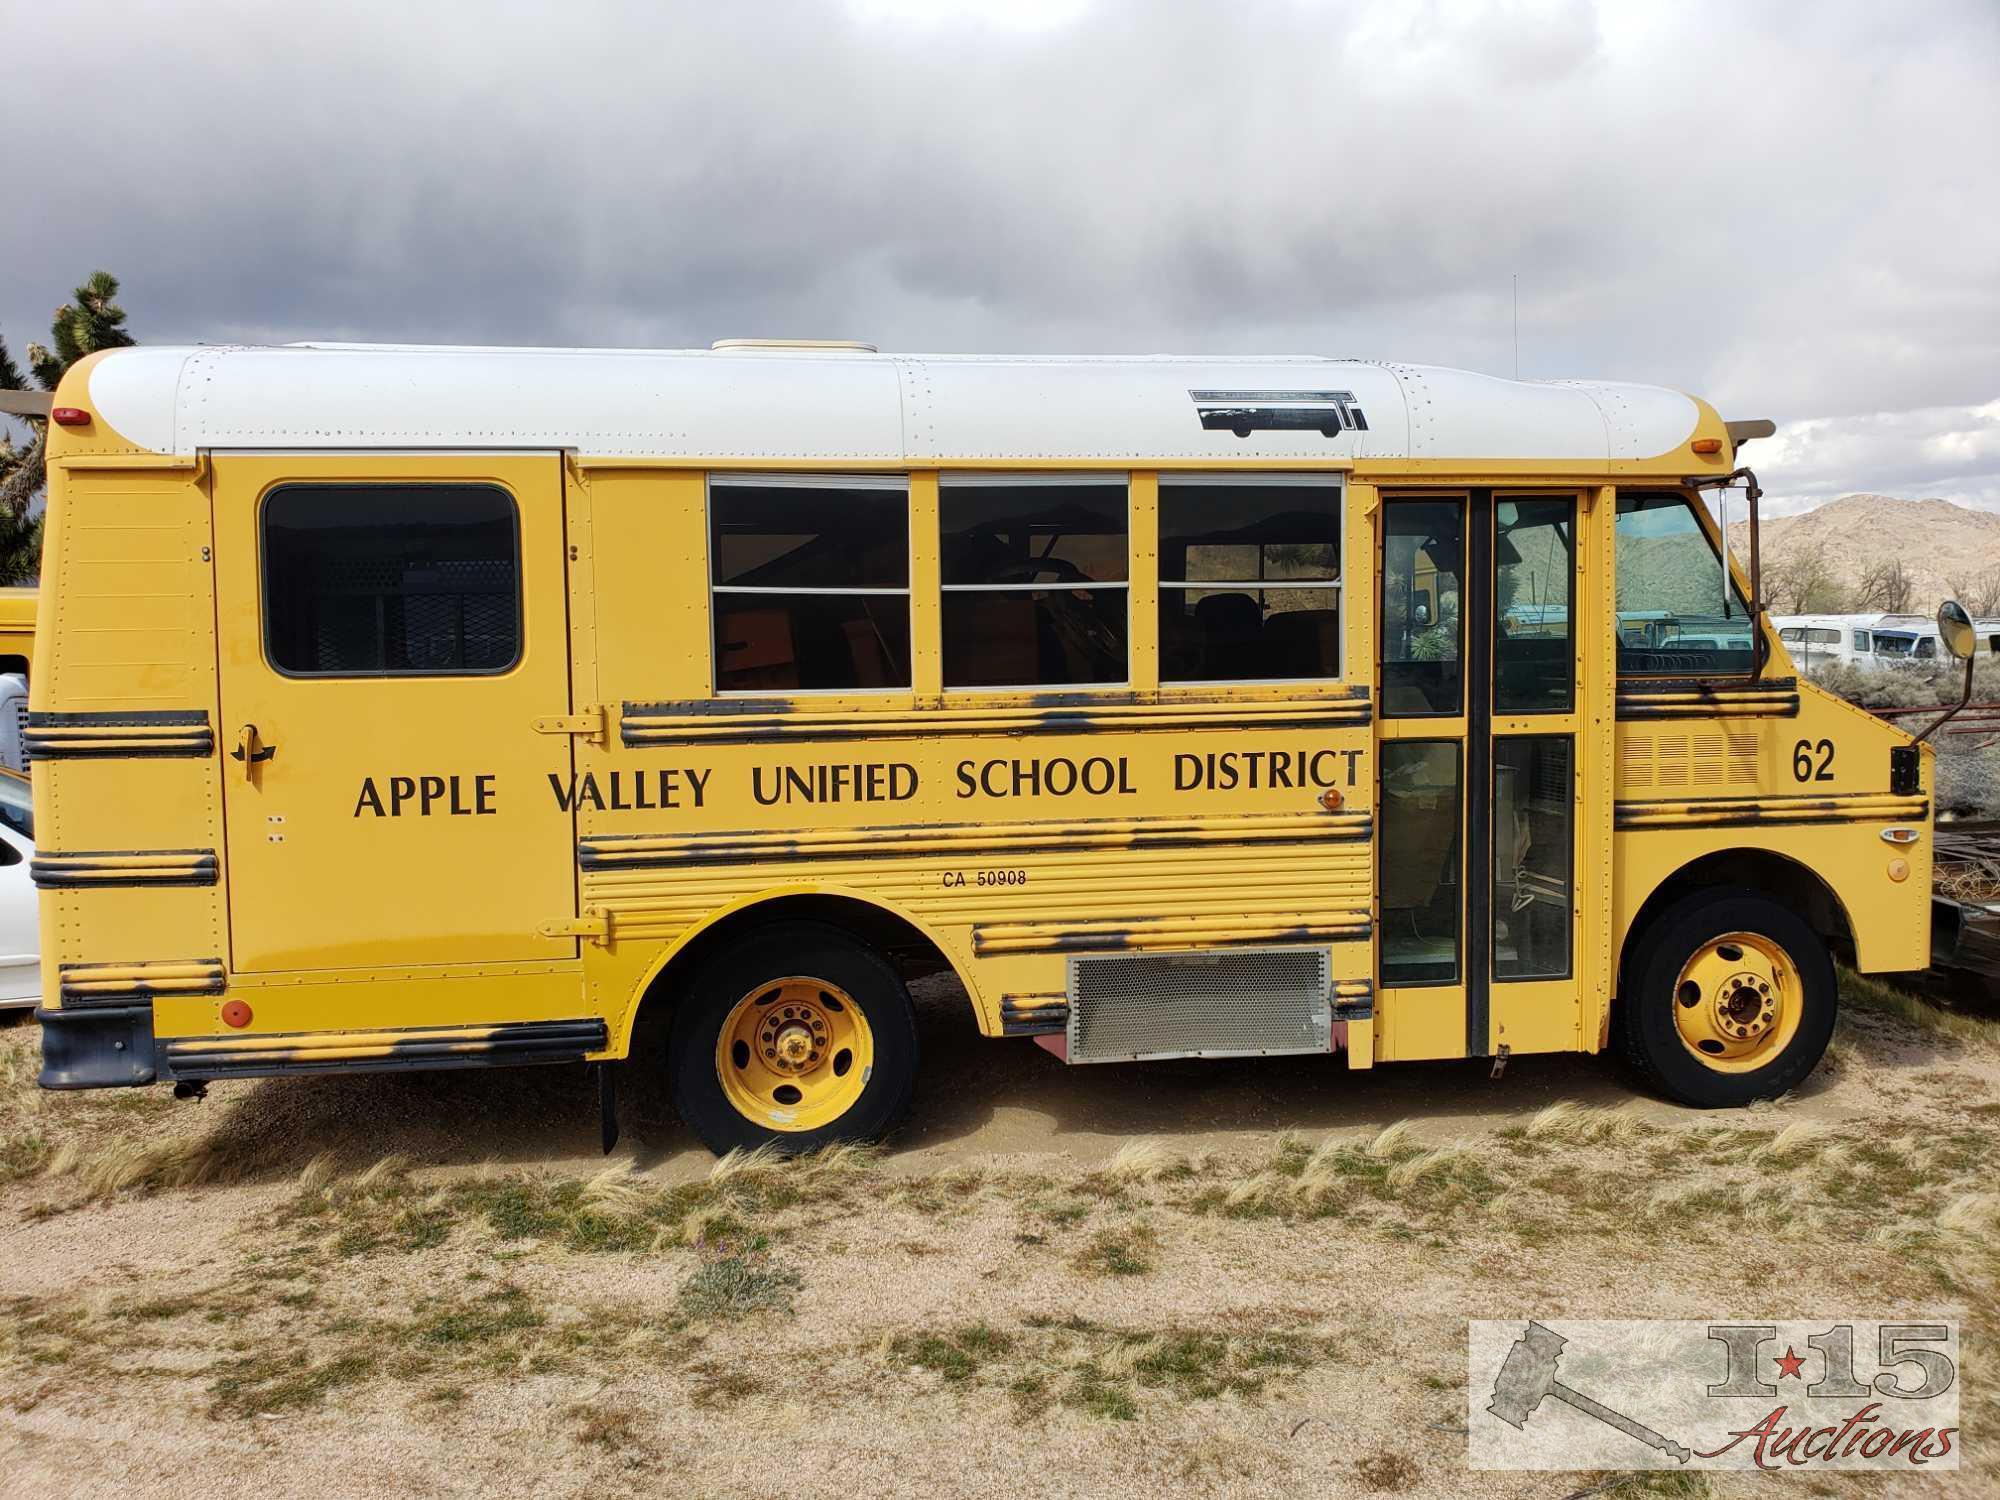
(389, 631)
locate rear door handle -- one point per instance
(250, 749)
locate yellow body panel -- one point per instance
(634, 808)
(17, 622)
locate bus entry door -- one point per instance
(1487, 686)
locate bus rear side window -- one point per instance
(389, 580)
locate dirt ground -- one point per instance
(1245, 1278)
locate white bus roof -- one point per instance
(850, 404)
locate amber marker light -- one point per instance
(1706, 445)
(1331, 800)
(69, 416)
(1899, 870)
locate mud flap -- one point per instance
(104, 1047)
(607, 1105)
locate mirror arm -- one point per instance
(1951, 713)
(1753, 492)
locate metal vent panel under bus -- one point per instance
(1237, 1003)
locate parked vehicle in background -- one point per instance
(20, 936)
(1818, 640)
(1901, 640)
(13, 721)
(17, 627)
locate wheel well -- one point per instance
(1759, 869)
(898, 939)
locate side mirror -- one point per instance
(1962, 641)
(1955, 630)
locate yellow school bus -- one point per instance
(401, 707)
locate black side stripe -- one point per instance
(1707, 698)
(85, 986)
(720, 721)
(610, 851)
(1033, 1015)
(119, 734)
(109, 869)
(513, 1044)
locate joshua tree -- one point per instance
(93, 321)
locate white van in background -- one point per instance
(1820, 640)
(1907, 640)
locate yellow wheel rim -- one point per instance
(794, 1054)
(1737, 1002)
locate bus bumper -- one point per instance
(104, 1047)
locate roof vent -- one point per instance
(834, 346)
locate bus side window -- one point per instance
(1672, 618)
(1034, 580)
(810, 582)
(1249, 577)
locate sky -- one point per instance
(1792, 210)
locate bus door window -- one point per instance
(1423, 546)
(1531, 856)
(1533, 650)
(1419, 822)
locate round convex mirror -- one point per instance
(1955, 629)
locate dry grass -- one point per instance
(1130, 1250)
(1912, 1010)
(1168, 1318)
(1571, 1124)
(1107, 1372)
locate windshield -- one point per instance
(1678, 612)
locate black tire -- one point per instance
(1646, 1030)
(770, 953)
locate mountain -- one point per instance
(1817, 561)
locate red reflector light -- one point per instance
(235, 1013)
(69, 416)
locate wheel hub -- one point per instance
(792, 1039)
(794, 1054)
(1744, 1006)
(1738, 1002)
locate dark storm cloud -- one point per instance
(1789, 209)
